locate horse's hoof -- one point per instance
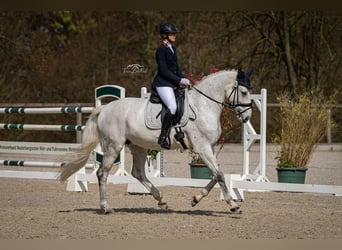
(107, 210)
(194, 201)
(236, 210)
(163, 205)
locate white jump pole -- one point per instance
(45, 110)
(45, 127)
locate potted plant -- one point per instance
(151, 156)
(198, 168)
(303, 124)
(152, 153)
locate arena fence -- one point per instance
(238, 183)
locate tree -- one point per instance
(300, 43)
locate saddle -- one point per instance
(155, 110)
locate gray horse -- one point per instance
(121, 123)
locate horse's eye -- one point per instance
(244, 93)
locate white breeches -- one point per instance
(167, 95)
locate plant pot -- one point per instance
(200, 171)
(291, 175)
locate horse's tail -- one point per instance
(90, 139)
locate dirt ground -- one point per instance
(37, 209)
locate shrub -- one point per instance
(303, 125)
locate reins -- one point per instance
(210, 98)
(229, 105)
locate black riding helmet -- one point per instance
(168, 28)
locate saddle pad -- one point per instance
(153, 109)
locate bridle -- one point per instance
(235, 95)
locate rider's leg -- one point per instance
(164, 138)
(167, 95)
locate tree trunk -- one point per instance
(288, 56)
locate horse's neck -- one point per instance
(213, 87)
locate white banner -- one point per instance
(13, 147)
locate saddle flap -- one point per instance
(154, 97)
(153, 113)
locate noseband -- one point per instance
(235, 103)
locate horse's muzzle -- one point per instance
(245, 114)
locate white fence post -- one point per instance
(250, 136)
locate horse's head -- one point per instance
(239, 96)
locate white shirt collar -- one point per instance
(170, 46)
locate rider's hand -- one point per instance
(184, 82)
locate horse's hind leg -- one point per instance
(109, 156)
(138, 171)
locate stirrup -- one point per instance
(179, 136)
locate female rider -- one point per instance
(168, 79)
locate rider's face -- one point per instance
(172, 37)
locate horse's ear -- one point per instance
(243, 78)
(240, 73)
(250, 71)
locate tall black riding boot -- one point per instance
(164, 138)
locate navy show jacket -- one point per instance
(169, 74)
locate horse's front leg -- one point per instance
(218, 177)
(204, 192)
(235, 208)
